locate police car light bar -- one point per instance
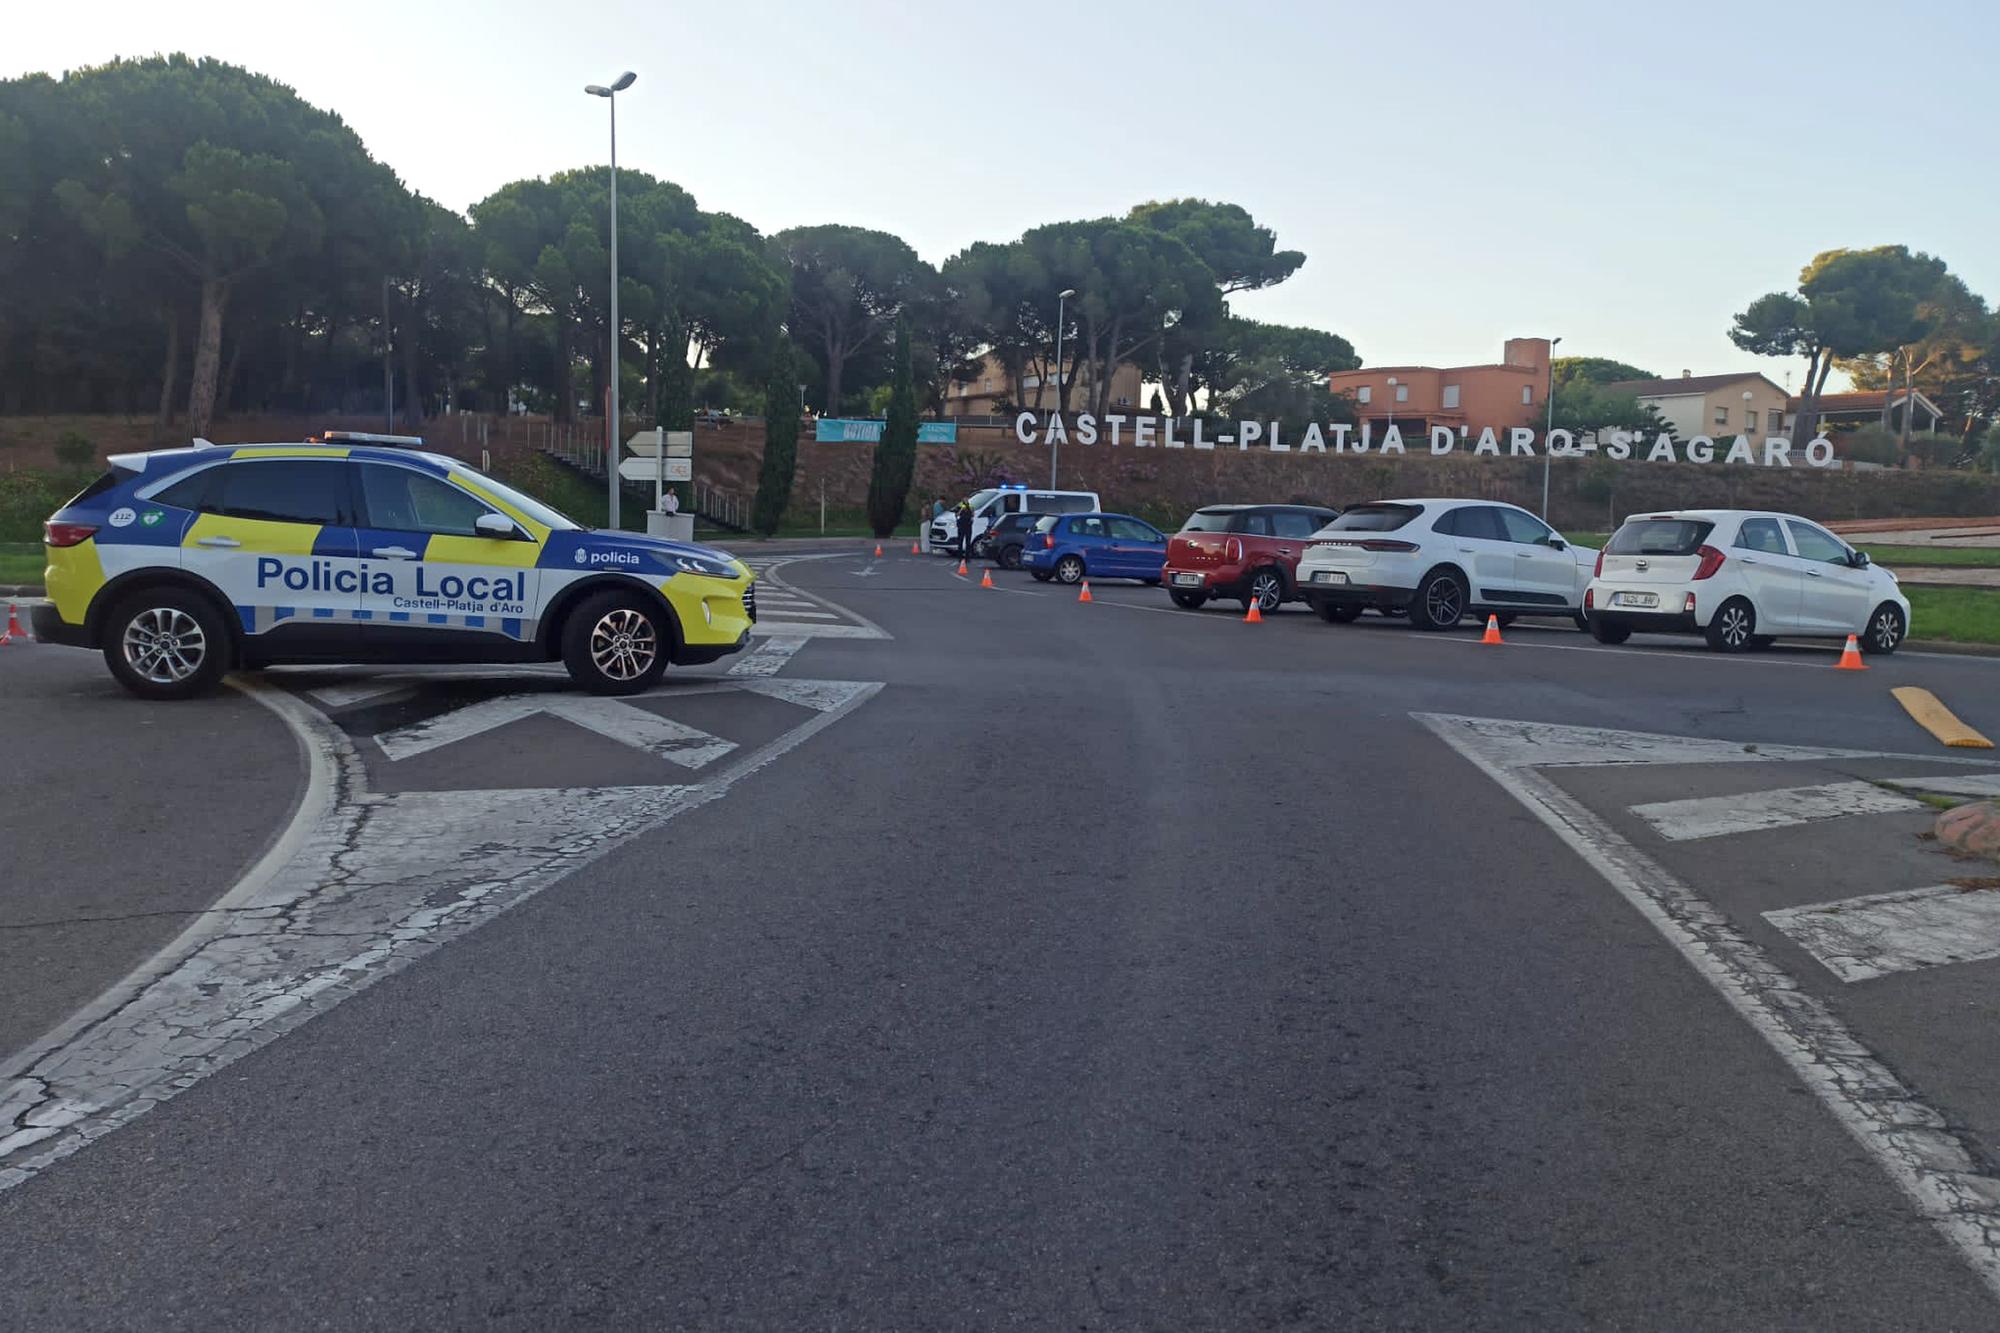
(368, 437)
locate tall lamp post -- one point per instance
(610, 95)
(1389, 406)
(1550, 429)
(1055, 449)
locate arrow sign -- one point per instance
(648, 469)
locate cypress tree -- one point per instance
(896, 454)
(781, 440)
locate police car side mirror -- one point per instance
(1860, 560)
(1557, 544)
(498, 525)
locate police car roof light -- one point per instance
(369, 437)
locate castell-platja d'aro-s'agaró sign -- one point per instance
(1340, 437)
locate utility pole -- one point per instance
(1551, 428)
(610, 95)
(388, 366)
(1055, 449)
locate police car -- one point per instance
(183, 564)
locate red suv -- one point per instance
(1249, 552)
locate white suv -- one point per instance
(1741, 578)
(1437, 560)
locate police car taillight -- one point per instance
(67, 534)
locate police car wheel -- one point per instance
(166, 643)
(615, 644)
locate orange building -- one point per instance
(1510, 393)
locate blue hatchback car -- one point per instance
(1072, 547)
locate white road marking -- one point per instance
(1859, 939)
(614, 719)
(1907, 1138)
(769, 657)
(1550, 744)
(1716, 816)
(1952, 784)
(362, 885)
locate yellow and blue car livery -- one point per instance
(321, 552)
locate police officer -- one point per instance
(964, 529)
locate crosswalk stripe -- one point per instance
(1714, 816)
(1952, 784)
(1859, 939)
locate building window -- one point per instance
(1402, 393)
(1363, 394)
(1775, 420)
(1722, 416)
(986, 386)
(1527, 393)
(1451, 395)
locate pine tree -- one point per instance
(896, 455)
(781, 440)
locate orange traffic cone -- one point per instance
(1255, 615)
(878, 550)
(1492, 634)
(1084, 596)
(961, 569)
(1850, 657)
(986, 579)
(914, 550)
(14, 630)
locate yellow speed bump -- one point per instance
(1938, 720)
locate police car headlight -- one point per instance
(695, 564)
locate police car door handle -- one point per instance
(1812, 573)
(227, 542)
(393, 553)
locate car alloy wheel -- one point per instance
(1885, 630)
(1442, 602)
(623, 644)
(1734, 626)
(1266, 590)
(1070, 569)
(164, 645)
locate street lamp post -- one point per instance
(1550, 429)
(1389, 406)
(1055, 448)
(1749, 418)
(610, 95)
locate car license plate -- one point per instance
(1187, 580)
(1635, 599)
(1328, 576)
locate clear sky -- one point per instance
(1624, 175)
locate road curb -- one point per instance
(1973, 829)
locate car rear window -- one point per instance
(1209, 520)
(1047, 522)
(117, 476)
(1659, 536)
(1374, 518)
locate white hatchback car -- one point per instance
(1741, 578)
(1437, 560)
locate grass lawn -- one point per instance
(1962, 615)
(22, 562)
(1592, 539)
(1895, 557)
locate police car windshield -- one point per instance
(980, 499)
(533, 508)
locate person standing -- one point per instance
(964, 530)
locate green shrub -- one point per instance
(27, 498)
(75, 452)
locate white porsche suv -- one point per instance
(1741, 578)
(1437, 560)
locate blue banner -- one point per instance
(861, 430)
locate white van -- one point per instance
(996, 502)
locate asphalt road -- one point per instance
(1112, 967)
